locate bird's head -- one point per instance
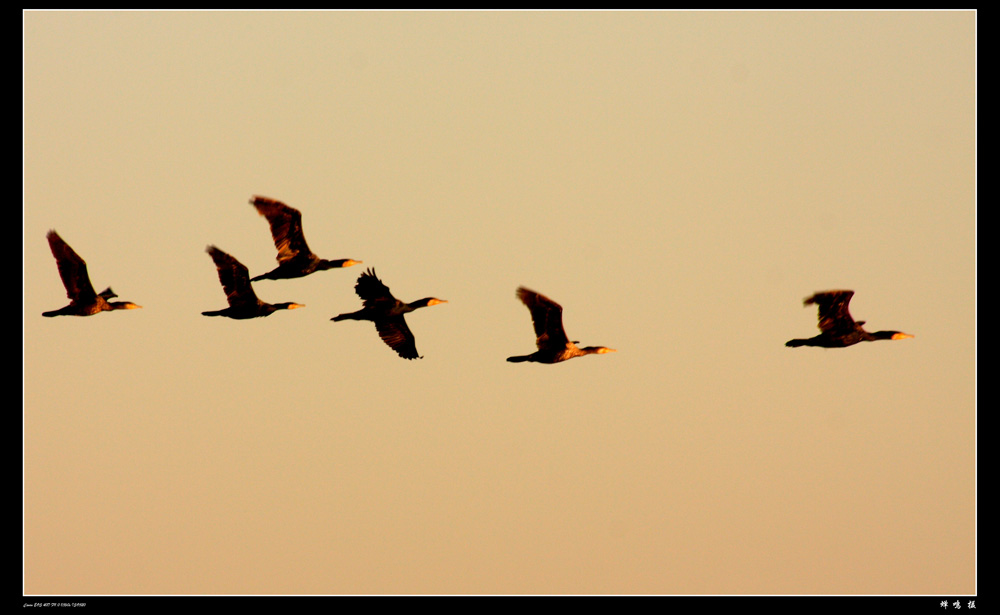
(426, 302)
(891, 335)
(336, 264)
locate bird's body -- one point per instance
(387, 312)
(73, 271)
(235, 280)
(838, 328)
(295, 259)
(553, 344)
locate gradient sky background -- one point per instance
(678, 181)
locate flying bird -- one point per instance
(83, 301)
(243, 301)
(387, 312)
(553, 345)
(295, 259)
(837, 326)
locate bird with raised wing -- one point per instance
(83, 301)
(295, 259)
(235, 280)
(838, 328)
(387, 312)
(553, 345)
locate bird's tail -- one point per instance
(520, 359)
(349, 316)
(216, 313)
(795, 343)
(66, 311)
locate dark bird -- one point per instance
(83, 301)
(553, 345)
(295, 259)
(837, 326)
(387, 313)
(243, 301)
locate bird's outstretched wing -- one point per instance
(72, 270)
(286, 228)
(546, 316)
(234, 277)
(833, 310)
(374, 294)
(397, 336)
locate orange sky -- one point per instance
(678, 181)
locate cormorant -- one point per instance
(295, 259)
(553, 345)
(387, 312)
(837, 326)
(243, 301)
(83, 301)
